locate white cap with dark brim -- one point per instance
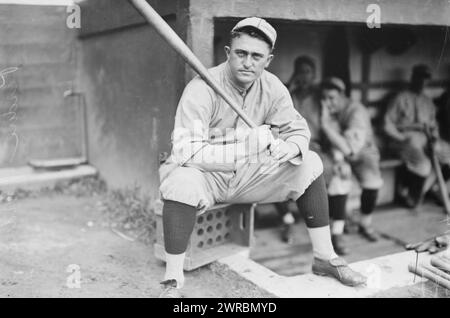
(335, 82)
(260, 24)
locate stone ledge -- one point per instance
(384, 273)
(29, 178)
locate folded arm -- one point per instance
(390, 121)
(190, 139)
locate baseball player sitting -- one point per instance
(215, 158)
(348, 147)
(406, 118)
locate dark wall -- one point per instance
(303, 38)
(131, 79)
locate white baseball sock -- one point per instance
(337, 227)
(174, 268)
(321, 242)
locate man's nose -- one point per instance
(247, 61)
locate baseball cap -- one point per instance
(421, 70)
(259, 24)
(334, 82)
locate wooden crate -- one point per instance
(221, 231)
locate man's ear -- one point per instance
(269, 60)
(227, 51)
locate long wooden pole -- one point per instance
(440, 263)
(438, 272)
(423, 272)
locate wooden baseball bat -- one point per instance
(437, 169)
(438, 272)
(440, 263)
(435, 162)
(166, 32)
(423, 272)
(442, 185)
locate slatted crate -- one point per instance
(221, 231)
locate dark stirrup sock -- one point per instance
(403, 175)
(178, 224)
(282, 208)
(368, 200)
(445, 171)
(337, 206)
(314, 204)
(415, 185)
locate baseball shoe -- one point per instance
(405, 199)
(338, 268)
(339, 245)
(170, 289)
(368, 232)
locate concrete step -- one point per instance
(39, 144)
(384, 273)
(28, 178)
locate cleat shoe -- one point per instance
(170, 289)
(338, 269)
(368, 233)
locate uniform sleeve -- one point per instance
(432, 120)
(391, 117)
(190, 138)
(357, 129)
(288, 124)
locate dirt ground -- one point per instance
(42, 240)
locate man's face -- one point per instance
(305, 76)
(333, 100)
(419, 83)
(247, 57)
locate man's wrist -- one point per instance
(296, 151)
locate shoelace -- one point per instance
(169, 283)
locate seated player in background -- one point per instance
(410, 122)
(348, 148)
